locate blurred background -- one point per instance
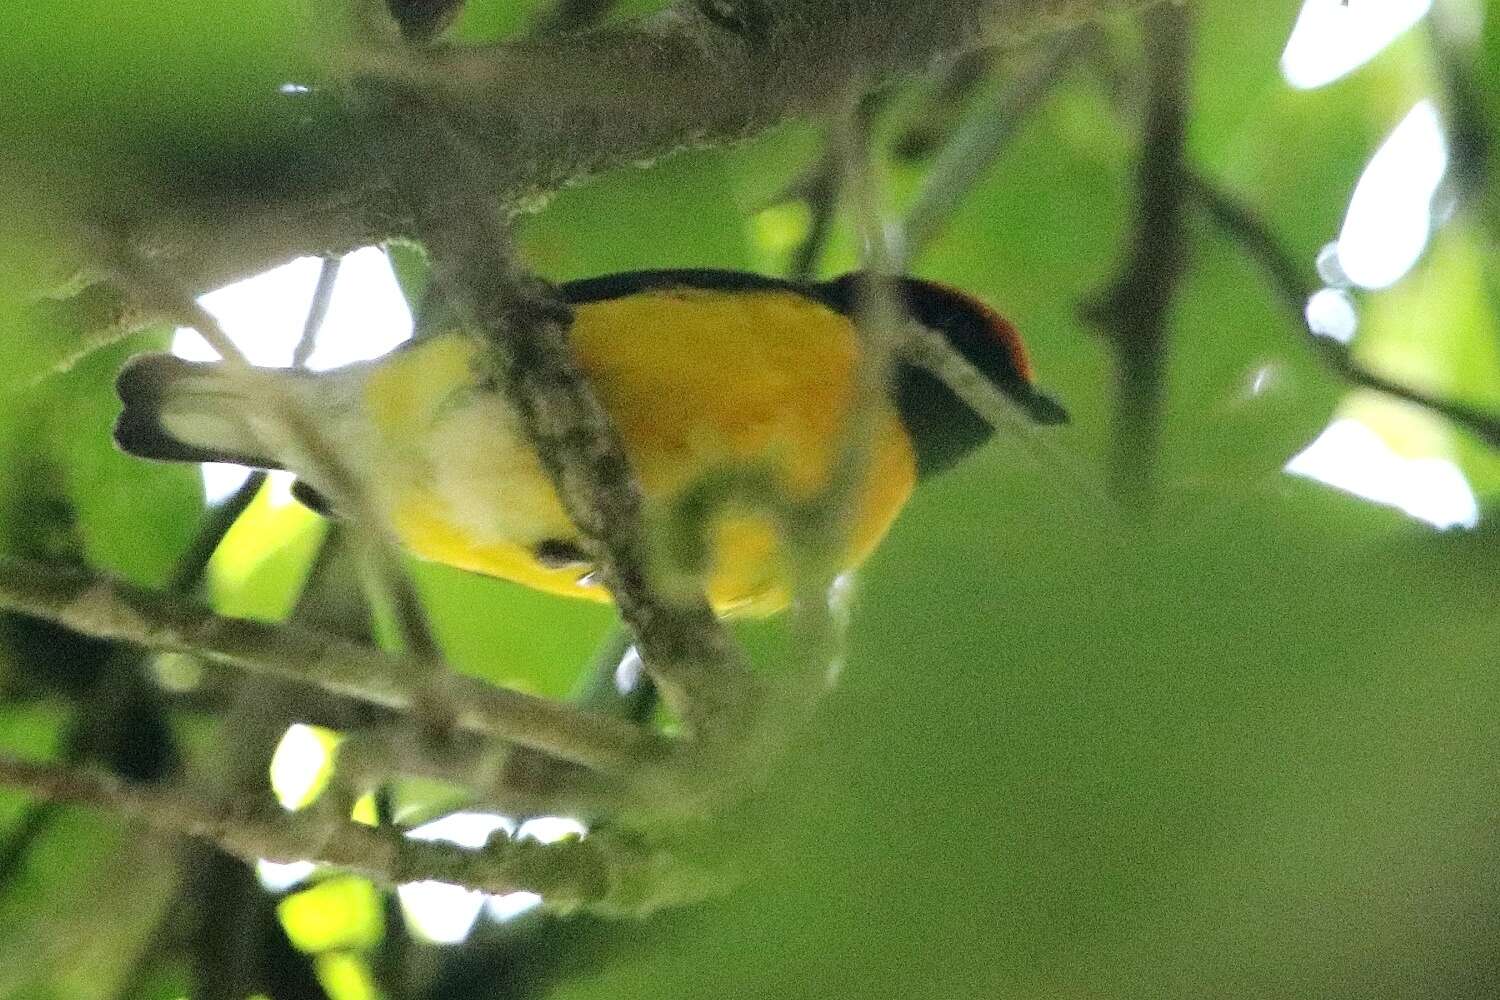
(1246, 745)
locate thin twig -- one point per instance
(949, 102)
(23, 833)
(879, 315)
(821, 187)
(191, 566)
(1254, 236)
(817, 533)
(154, 953)
(527, 772)
(932, 352)
(317, 310)
(1134, 309)
(115, 610)
(984, 136)
(193, 563)
(391, 587)
(156, 293)
(819, 190)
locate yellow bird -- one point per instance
(703, 372)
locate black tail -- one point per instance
(181, 411)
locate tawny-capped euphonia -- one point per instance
(702, 371)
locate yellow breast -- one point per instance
(697, 381)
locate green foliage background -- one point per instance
(1247, 750)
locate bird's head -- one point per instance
(943, 427)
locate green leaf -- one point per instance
(413, 271)
(1244, 756)
(259, 568)
(336, 914)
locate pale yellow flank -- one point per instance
(698, 382)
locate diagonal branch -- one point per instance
(524, 326)
(979, 142)
(1242, 225)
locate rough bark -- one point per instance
(544, 112)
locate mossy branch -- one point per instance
(540, 113)
(608, 872)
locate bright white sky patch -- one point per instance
(511, 905)
(1390, 214)
(628, 671)
(264, 315)
(301, 764)
(438, 912)
(1330, 313)
(220, 480)
(1332, 38)
(367, 316)
(547, 829)
(466, 829)
(276, 877)
(443, 913)
(1351, 457)
(551, 829)
(279, 487)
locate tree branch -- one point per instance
(115, 610)
(1241, 224)
(545, 112)
(605, 871)
(524, 325)
(1134, 310)
(819, 190)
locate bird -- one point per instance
(703, 372)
